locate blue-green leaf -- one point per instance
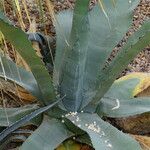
(100, 41)
(8, 116)
(105, 35)
(120, 102)
(123, 107)
(21, 43)
(103, 135)
(123, 89)
(7, 132)
(48, 136)
(71, 81)
(10, 71)
(134, 45)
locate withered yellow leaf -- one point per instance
(143, 87)
(69, 144)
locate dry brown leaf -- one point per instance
(139, 124)
(33, 29)
(143, 140)
(15, 92)
(21, 62)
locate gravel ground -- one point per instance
(44, 24)
(142, 62)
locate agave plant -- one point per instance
(81, 90)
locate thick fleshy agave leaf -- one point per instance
(7, 132)
(75, 58)
(103, 135)
(8, 116)
(129, 86)
(105, 35)
(141, 89)
(21, 43)
(123, 107)
(63, 29)
(134, 45)
(48, 136)
(119, 101)
(101, 41)
(10, 71)
(123, 89)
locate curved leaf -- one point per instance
(6, 132)
(103, 135)
(117, 108)
(20, 41)
(45, 50)
(71, 81)
(119, 101)
(48, 136)
(134, 45)
(100, 42)
(10, 71)
(129, 86)
(123, 89)
(14, 114)
(63, 29)
(105, 35)
(142, 86)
